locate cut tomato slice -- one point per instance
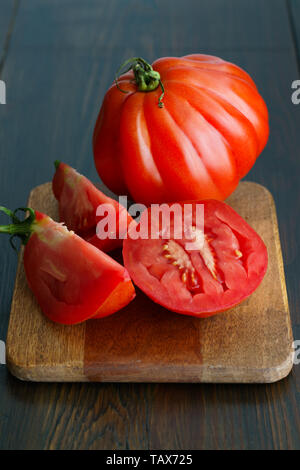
(71, 279)
(210, 268)
(78, 202)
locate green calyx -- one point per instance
(56, 164)
(145, 77)
(18, 228)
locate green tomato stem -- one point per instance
(18, 228)
(145, 77)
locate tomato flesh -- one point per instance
(78, 202)
(71, 279)
(225, 264)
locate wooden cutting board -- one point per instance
(145, 342)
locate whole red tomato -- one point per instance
(195, 141)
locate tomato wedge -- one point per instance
(201, 270)
(71, 279)
(78, 201)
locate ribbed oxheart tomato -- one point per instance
(209, 269)
(194, 142)
(79, 202)
(70, 278)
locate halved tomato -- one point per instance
(200, 269)
(79, 201)
(71, 279)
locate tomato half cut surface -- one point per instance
(71, 279)
(201, 269)
(82, 206)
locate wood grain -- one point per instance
(145, 342)
(63, 55)
(293, 7)
(36, 348)
(7, 16)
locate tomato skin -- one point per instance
(71, 279)
(231, 265)
(78, 201)
(209, 133)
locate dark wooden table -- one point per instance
(57, 58)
